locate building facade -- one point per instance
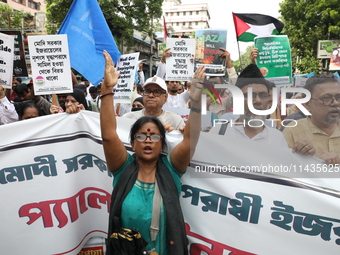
(36, 8)
(184, 19)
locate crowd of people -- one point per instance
(148, 169)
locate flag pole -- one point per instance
(239, 54)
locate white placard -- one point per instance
(180, 66)
(127, 66)
(50, 61)
(6, 60)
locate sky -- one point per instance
(221, 17)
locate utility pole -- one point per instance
(151, 43)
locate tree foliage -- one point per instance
(12, 19)
(245, 59)
(122, 16)
(306, 22)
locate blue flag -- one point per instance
(88, 35)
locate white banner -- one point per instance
(50, 60)
(55, 189)
(6, 60)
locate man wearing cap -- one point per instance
(154, 97)
(250, 126)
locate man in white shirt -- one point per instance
(250, 126)
(174, 98)
(8, 113)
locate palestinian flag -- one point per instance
(250, 25)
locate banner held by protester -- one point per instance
(57, 192)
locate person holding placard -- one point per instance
(7, 109)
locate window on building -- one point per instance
(166, 14)
(4, 1)
(34, 5)
(177, 13)
(171, 13)
(190, 24)
(183, 23)
(177, 24)
(184, 13)
(20, 1)
(196, 23)
(190, 12)
(197, 12)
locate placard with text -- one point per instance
(50, 61)
(274, 59)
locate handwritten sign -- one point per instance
(127, 66)
(207, 50)
(274, 59)
(50, 61)
(180, 66)
(6, 60)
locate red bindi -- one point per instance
(148, 129)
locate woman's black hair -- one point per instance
(28, 104)
(145, 119)
(80, 97)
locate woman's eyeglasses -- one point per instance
(142, 138)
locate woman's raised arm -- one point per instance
(114, 149)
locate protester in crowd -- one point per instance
(8, 113)
(26, 92)
(250, 126)
(138, 177)
(93, 92)
(181, 89)
(92, 106)
(13, 96)
(294, 116)
(29, 110)
(138, 104)
(139, 89)
(140, 73)
(62, 100)
(187, 85)
(74, 102)
(319, 133)
(174, 99)
(154, 97)
(225, 107)
(293, 108)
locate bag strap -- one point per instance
(156, 212)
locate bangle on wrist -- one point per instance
(195, 109)
(106, 94)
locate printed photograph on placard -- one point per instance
(335, 59)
